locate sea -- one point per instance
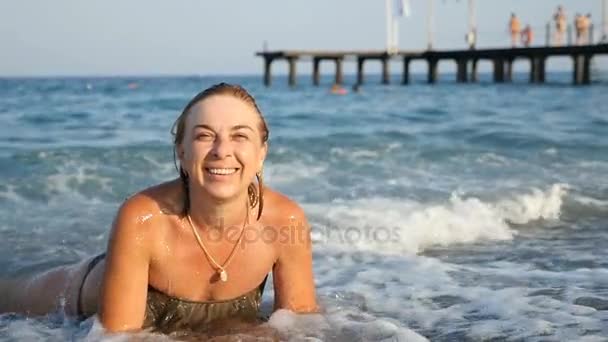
(445, 212)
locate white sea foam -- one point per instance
(98, 333)
(362, 154)
(354, 154)
(533, 206)
(591, 201)
(392, 225)
(334, 325)
(32, 330)
(339, 324)
(65, 181)
(393, 146)
(499, 300)
(10, 194)
(163, 169)
(493, 159)
(86, 180)
(551, 151)
(299, 326)
(286, 173)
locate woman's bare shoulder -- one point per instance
(165, 198)
(142, 216)
(288, 219)
(281, 209)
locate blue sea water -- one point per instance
(446, 212)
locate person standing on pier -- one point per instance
(579, 26)
(515, 28)
(526, 36)
(560, 25)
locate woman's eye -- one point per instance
(204, 136)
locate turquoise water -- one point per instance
(451, 212)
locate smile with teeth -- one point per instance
(224, 171)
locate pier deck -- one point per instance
(466, 61)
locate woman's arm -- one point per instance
(294, 286)
(125, 281)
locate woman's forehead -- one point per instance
(222, 111)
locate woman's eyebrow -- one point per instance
(237, 127)
(203, 126)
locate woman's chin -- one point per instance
(222, 193)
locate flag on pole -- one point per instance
(402, 7)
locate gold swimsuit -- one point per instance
(168, 314)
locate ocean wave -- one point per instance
(405, 226)
(581, 205)
(85, 174)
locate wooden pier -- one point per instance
(466, 62)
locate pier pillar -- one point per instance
(461, 74)
(432, 75)
(537, 69)
(499, 70)
(360, 78)
(292, 70)
(509, 70)
(474, 74)
(339, 74)
(385, 71)
(267, 71)
(587, 70)
(406, 71)
(315, 71)
(533, 70)
(577, 75)
(582, 66)
(542, 61)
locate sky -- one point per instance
(205, 37)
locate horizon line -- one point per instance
(178, 75)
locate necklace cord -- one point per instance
(219, 268)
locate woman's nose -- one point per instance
(222, 148)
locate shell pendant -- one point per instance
(224, 276)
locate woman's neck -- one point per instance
(208, 212)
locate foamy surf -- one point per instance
(405, 226)
(339, 325)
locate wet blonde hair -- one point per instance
(255, 193)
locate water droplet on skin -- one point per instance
(144, 218)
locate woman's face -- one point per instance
(222, 147)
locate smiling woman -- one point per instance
(177, 259)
